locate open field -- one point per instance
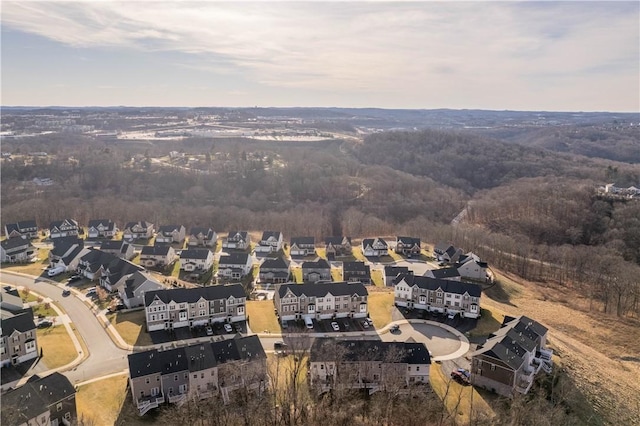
(131, 327)
(57, 347)
(262, 316)
(376, 278)
(108, 394)
(380, 306)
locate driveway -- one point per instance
(439, 341)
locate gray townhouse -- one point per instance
(434, 295)
(356, 271)
(368, 364)
(19, 340)
(321, 301)
(190, 307)
(196, 371)
(275, 270)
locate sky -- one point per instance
(543, 55)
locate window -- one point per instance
(202, 375)
(320, 299)
(493, 367)
(457, 296)
(346, 305)
(59, 406)
(202, 312)
(418, 368)
(321, 366)
(195, 376)
(67, 415)
(147, 380)
(175, 377)
(240, 310)
(201, 305)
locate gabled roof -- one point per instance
(137, 279)
(192, 295)
(97, 259)
(275, 263)
(448, 286)
(408, 241)
(207, 232)
(113, 245)
(22, 321)
(303, 240)
(14, 243)
(321, 289)
(320, 263)
(75, 252)
(505, 349)
(141, 223)
(195, 253)
(268, 234)
(95, 223)
(525, 324)
(442, 247)
(21, 226)
(119, 268)
(370, 242)
(336, 241)
(323, 349)
(168, 229)
(357, 266)
(34, 398)
(444, 273)
(238, 235)
(156, 250)
(234, 259)
(66, 222)
(200, 357)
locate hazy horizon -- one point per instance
(498, 56)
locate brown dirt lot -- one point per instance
(601, 353)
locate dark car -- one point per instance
(460, 377)
(44, 323)
(394, 328)
(66, 293)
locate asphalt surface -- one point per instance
(104, 356)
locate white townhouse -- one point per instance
(196, 259)
(270, 242)
(321, 301)
(436, 295)
(101, 228)
(189, 307)
(234, 265)
(374, 247)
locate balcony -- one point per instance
(174, 399)
(147, 403)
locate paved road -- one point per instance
(104, 356)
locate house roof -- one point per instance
(73, 254)
(141, 223)
(393, 271)
(275, 263)
(14, 243)
(96, 259)
(136, 280)
(357, 266)
(22, 321)
(370, 350)
(66, 222)
(505, 349)
(316, 264)
(34, 398)
(408, 241)
(524, 323)
(372, 241)
(168, 229)
(95, 223)
(238, 235)
(321, 289)
(336, 241)
(234, 259)
(156, 250)
(10, 300)
(21, 225)
(200, 356)
(442, 247)
(448, 286)
(207, 232)
(303, 240)
(195, 253)
(61, 246)
(444, 273)
(113, 245)
(192, 295)
(118, 268)
(268, 234)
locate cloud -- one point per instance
(357, 46)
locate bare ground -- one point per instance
(601, 353)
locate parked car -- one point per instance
(365, 324)
(74, 278)
(209, 331)
(280, 348)
(44, 323)
(66, 293)
(228, 328)
(335, 326)
(451, 316)
(52, 272)
(91, 291)
(394, 328)
(459, 377)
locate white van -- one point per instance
(308, 322)
(52, 272)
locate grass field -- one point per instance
(380, 306)
(336, 274)
(262, 316)
(376, 278)
(108, 394)
(57, 346)
(464, 403)
(131, 326)
(297, 274)
(45, 310)
(490, 321)
(357, 254)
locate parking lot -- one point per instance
(184, 333)
(324, 326)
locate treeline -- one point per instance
(470, 162)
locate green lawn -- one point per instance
(380, 306)
(108, 394)
(45, 310)
(33, 268)
(262, 316)
(175, 269)
(490, 321)
(131, 327)
(57, 346)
